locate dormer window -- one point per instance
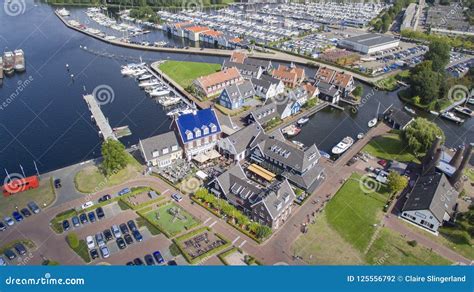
(189, 135)
(174, 148)
(213, 127)
(205, 130)
(165, 151)
(156, 153)
(197, 132)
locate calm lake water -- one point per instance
(45, 119)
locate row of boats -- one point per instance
(11, 62)
(155, 88)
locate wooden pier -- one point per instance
(98, 116)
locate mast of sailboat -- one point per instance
(378, 108)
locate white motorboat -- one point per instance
(360, 136)
(159, 93)
(434, 113)
(410, 110)
(342, 146)
(372, 123)
(302, 121)
(144, 77)
(63, 12)
(464, 110)
(452, 117)
(139, 72)
(298, 143)
(149, 83)
(170, 101)
(471, 101)
(291, 130)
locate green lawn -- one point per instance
(469, 172)
(91, 180)
(392, 249)
(390, 147)
(83, 251)
(352, 213)
(168, 223)
(43, 196)
(184, 73)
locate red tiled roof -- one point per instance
(197, 28)
(238, 56)
(219, 77)
(213, 33)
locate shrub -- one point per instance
(174, 250)
(412, 243)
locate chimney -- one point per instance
(456, 160)
(456, 177)
(431, 166)
(431, 152)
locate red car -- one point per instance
(383, 162)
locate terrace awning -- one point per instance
(203, 157)
(262, 172)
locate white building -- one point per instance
(369, 43)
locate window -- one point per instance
(205, 130)
(197, 132)
(156, 153)
(165, 150)
(174, 148)
(189, 134)
(213, 127)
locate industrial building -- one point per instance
(369, 43)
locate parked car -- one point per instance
(121, 243)
(138, 237)
(33, 207)
(177, 197)
(94, 254)
(128, 239)
(116, 231)
(90, 242)
(20, 248)
(25, 212)
(66, 225)
(124, 228)
(138, 262)
(75, 221)
(9, 221)
(124, 192)
(87, 205)
(57, 183)
(105, 252)
(129, 264)
(382, 162)
(108, 235)
(91, 216)
(158, 257)
(100, 213)
(2, 262)
(172, 263)
(83, 218)
(131, 225)
(2, 226)
(17, 216)
(104, 198)
(149, 260)
(9, 254)
(99, 238)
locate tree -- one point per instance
(358, 91)
(396, 182)
(420, 134)
(425, 82)
(438, 54)
(115, 156)
(263, 231)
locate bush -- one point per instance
(72, 240)
(412, 243)
(174, 250)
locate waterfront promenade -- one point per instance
(273, 55)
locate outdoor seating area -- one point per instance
(176, 172)
(202, 243)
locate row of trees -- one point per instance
(145, 13)
(383, 23)
(260, 231)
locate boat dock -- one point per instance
(98, 116)
(453, 105)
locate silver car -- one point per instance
(116, 231)
(99, 238)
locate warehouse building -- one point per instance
(369, 43)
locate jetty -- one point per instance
(453, 105)
(98, 116)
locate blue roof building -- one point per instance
(198, 132)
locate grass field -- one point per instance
(168, 223)
(390, 147)
(352, 213)
(322, 245)
(391, 249)
(91, 180)
(185, 72)
(43, 196)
